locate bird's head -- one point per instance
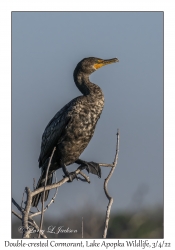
(91, 64)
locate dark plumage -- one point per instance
(71, 129)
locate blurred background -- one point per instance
(46, 47)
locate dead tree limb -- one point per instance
(105, 187)
(26, 215)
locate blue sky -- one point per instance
(46, 46)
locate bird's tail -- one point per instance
(41, 183)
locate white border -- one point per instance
(5, 91)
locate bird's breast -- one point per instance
(80, 131)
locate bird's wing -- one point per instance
(55, 131)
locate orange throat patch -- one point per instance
(98, 65)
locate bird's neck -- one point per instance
(86, 87)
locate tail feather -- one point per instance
(41, 183)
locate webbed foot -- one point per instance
(91, 167)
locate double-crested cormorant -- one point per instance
(71, 129)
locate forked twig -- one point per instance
(105, 187)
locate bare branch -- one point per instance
(117, 149)
(52, 186)
(31, 222)
(86, 178)
(34, 184)
(17, 215)
(16, 204)
(37, 228)
(48, 205)
(37, 213)
(27, 219)
(106, 165)
(105, 187)
(22, 200)
(53, 198)
(43, 197)
(26, 211)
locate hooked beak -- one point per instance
(102, 63)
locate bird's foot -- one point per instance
(91, 167)
(71, 176)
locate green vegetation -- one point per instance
(146, 224)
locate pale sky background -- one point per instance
(46, 47)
